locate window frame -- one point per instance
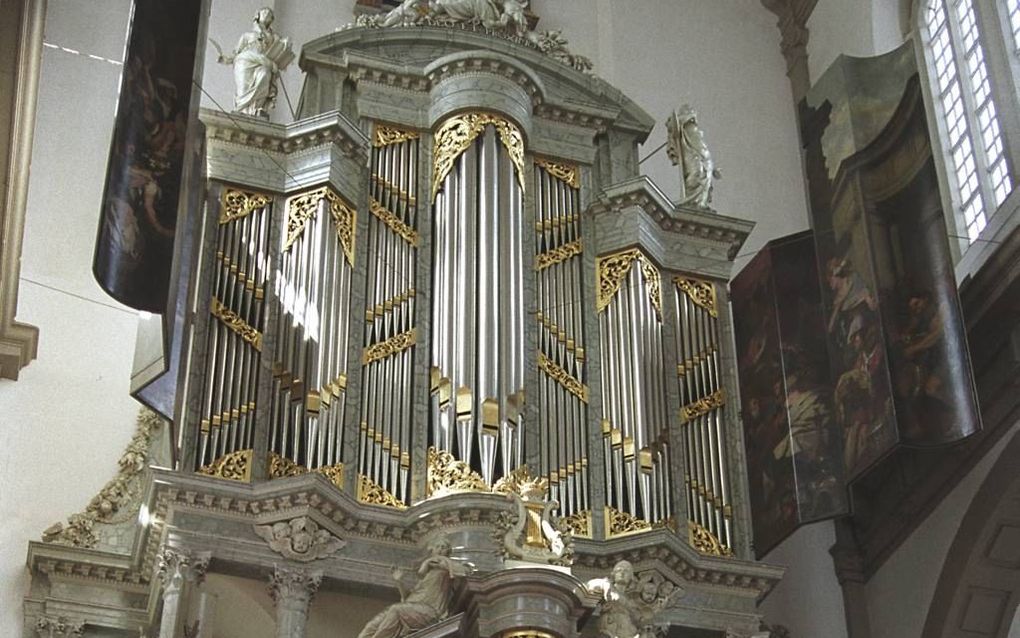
(1003, 68)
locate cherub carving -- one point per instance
(300, 539)
(631, 604)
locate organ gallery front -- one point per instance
(439, 322)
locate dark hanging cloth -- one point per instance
(156, 118)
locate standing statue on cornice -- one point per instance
(426, 602)
(261, 55)
(686, 147)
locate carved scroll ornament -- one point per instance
(447, 475)
(236, 203)
(612, 270)
(456, 135)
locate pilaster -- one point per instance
(179, 572)
(793, 16)
(292, 591)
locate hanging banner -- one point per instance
(898, 353)
(793, 443)
(156, 115)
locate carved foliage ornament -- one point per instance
(371, 493)
(299, 539)
(234, 321)
(705, 541)
(569, 174)
(302, 208)
(700, 292)
(561, 376)
(389, 347)
(702, 406)
(456, 135)
(235, 204)
(235, 466)
(393, 222)
(447, 475)
(612, 270)
(48, 627)
(385, 135)
(118, 500)
(558, 255)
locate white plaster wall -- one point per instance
(859, 28)
(65, 422)
(809, 600)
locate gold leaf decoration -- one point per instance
(620, 523)
(610, 271)
(281, 467)
(569, 174)
(372, 493)
(558, 255)
(705, 541)
(235, 466)
(702, 406)
(302, 208)
(393, 222)
(654, 282)
(384, 135)
(236, 203)
(390, 347)
(700, 292)
(519, 481)
(335, 474)
(564, 378)
(456, 135)
(234, 321)
(447, 475)
(579, 523)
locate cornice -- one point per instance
(327, 128)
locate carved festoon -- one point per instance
(300, 539)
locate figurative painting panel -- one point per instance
(794, 447)
(134, 247)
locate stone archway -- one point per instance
(979, 588)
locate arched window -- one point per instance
(1013, 8)
(971, 134)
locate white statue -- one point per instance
(630, 604)
(426, 602)
(686, 147)
(261, 55)
(531, 533)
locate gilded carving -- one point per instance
(393, 222)
(281, 466)
(235, 204)
(299, 539)
(389, 347)
(235, 466)
(558, 255)
(116, 502)
(705, 541)
(456, 135)
(654, 282)
(561, 376)
(531, 532)
(302, 208)
(619, 523)
(569, 174)
(700, 292)
(447, 475)
(234, 321)
(612, 270)
(702, 406)
(579, 524)
(384, 135)
(371, 493)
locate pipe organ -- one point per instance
(563, 393)
(390, 333)
(634, 423)
(478, 293)
(702, 423)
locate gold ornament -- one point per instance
(579, 524)
(520, 481)
(447, 475)
(234, 321)
(705, 541)
(569, 174)
(612, 270)
(702, 406)
(235, 204)
(700, 292)
(558, 255)
(561, 376)
(620, 523)
(654, 282)
(384, 135)
(235, 466)
(372, 493)
(456, 135)
(301, 208)
(393, 222)
(390, 347)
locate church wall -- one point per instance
(64, 424)
(860, 28)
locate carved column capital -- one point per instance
(51, 627)
(175, 567)
(292, 590)
(793, 16)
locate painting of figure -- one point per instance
(134, 247)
